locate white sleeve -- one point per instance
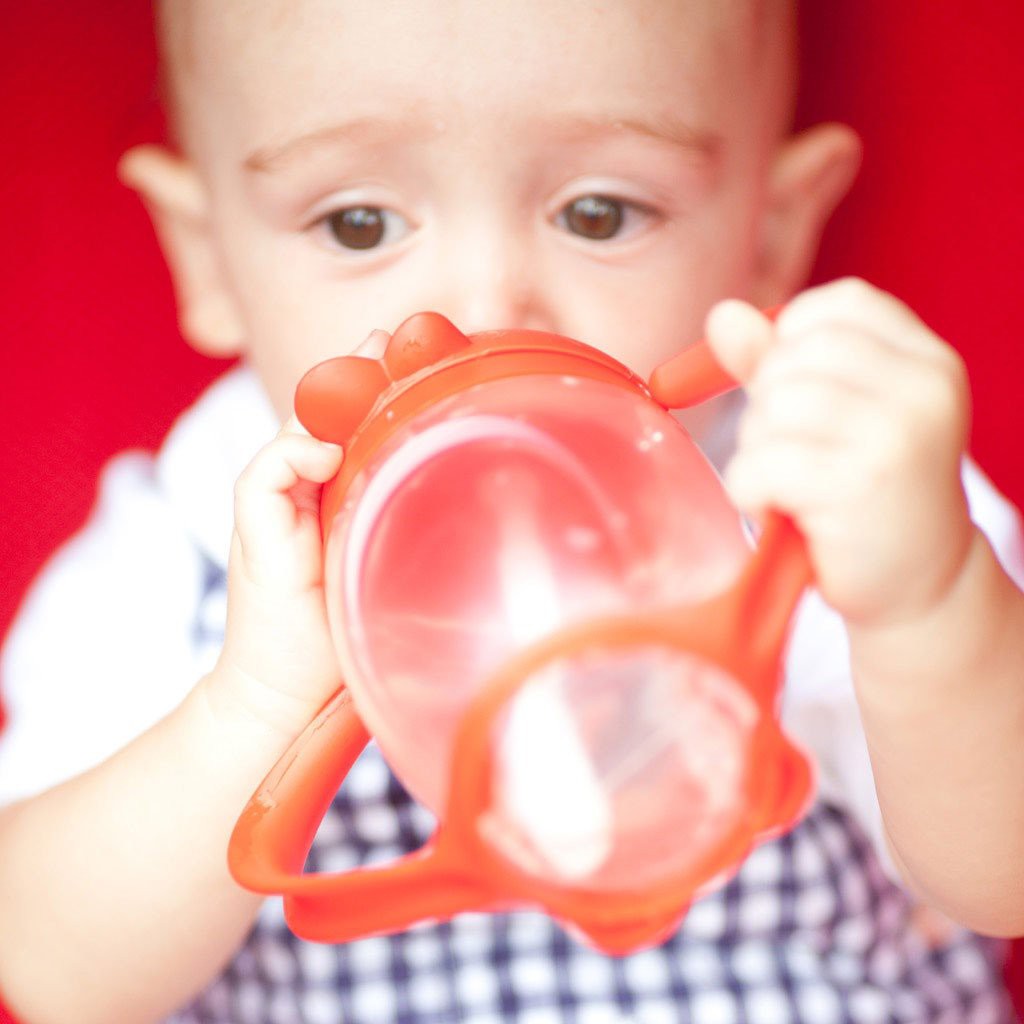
(819, 709)
(101, 647)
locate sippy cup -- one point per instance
(557, 629)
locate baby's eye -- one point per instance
(594, 216)
(599, 217)
(364, 227)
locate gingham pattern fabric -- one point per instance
(811, 929)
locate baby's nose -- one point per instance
(499, 291)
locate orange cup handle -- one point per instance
(421, 886)
(271, 840)
(694, 376)
(773, 582)
(780, 569)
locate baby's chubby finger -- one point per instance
(300, 456)
(739, 335)
(856, 304)
(293, 456)
(265, 493)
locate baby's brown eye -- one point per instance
(594, 217)
(357, 227)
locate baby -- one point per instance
(608, 172)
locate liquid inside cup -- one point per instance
(497, 517)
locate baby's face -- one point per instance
(596, 170)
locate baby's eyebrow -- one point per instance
(661, 128)
(370, 131)
(365, 131)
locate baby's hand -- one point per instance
(857, 420)
(278, 663)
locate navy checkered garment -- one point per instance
(811, 929)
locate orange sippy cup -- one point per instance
(555, 626)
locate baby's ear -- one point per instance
(809, 176)
(173, 193)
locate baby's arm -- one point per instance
(117, 903)
(856, 426)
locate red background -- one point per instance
(92, 362)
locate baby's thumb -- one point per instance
(374, 345)
(739, 335)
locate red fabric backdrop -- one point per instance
(91, 357)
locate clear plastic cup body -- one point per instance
(495, 518)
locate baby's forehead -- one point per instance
(183, 24)
(212, 47)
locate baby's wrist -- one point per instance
(942, 643)
(238, 700)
